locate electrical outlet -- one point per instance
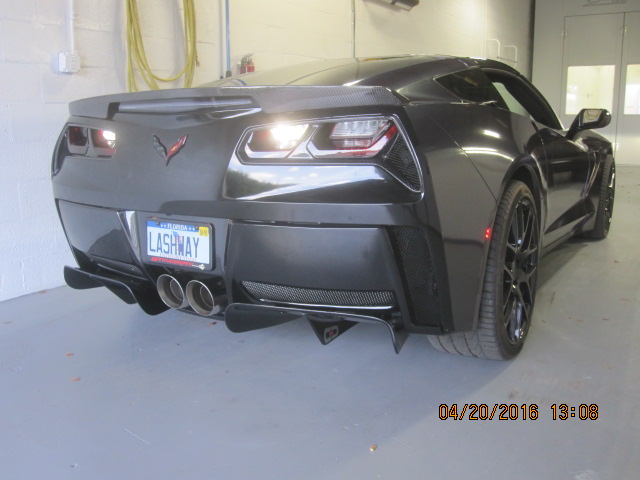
(68, 62)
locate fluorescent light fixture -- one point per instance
(403, 4)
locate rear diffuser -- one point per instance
(327, 326)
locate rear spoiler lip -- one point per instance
(270, 99)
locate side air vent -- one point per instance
(315, 297)
(418, 274)
(401, 164)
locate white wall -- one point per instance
(305, 30)
(34, 97)
(33, 109)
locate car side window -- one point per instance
(472, 85)
(522, 98)
(512, 103)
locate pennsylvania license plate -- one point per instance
(180, 244)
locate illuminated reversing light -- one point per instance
(287, 137)
(103, 138)
(275, 142)
(104, 141)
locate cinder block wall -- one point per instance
(33, 109)
(34, 96)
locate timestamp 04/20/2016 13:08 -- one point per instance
(504, 411)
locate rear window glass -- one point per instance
(473, 86)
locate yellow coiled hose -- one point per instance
(138, 58)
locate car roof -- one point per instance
(393, 72)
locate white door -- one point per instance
(601, 69)
(628, 137)
(591, 66)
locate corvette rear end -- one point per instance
(257, 205)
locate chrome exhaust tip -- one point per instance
(202, 300)
(171, 292)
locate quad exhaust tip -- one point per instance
(202, 299)
(197, 295)
(171, 292)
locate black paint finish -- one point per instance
(324, 225)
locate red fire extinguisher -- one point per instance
(246, 64)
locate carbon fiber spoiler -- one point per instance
(269, 99)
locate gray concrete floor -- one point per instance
(91, 388)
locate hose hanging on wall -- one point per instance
(137, 56)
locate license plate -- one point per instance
(180, 244)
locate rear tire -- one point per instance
(509, 287)
(605, 203)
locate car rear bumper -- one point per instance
(381, 271)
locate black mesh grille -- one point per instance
(115, 265)
(308, 296)
(418, 274)
(399, 162)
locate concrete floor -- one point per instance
(91, 388)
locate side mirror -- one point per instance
(588, 119)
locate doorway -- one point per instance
(601, 69)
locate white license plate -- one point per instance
(180, 244)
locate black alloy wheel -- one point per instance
(509, 289)
(511, 273)
(604, 214)
(520, 271)
(611, 194)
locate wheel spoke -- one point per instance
(526, 312)
(508, 276)
(507, 309)
(526, 293)
(512, 241)
(528, 227)
(514, 325)
(530, 274)
(521, 226)
(510, 253)
(530, 240)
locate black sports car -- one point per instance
(415, 192)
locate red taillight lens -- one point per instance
(359, 134)
(78, 140)
(353, 138)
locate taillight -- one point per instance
(367, 140)
(91, 142)
(358, 133)
(78, 140)
(344, 138)
(354, 139)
